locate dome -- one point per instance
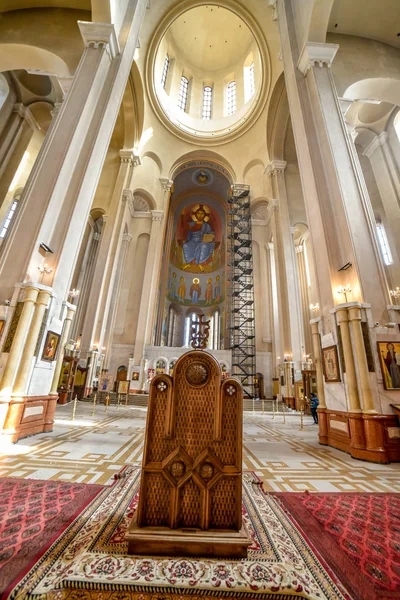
(207, 71)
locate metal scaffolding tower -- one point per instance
(242, 324)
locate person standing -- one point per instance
(314, 405)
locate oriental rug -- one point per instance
(33, 514)
(89, 561)
(357, 534)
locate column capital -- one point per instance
(157, 215)
(273, 205)
(275, 167)
(128, 156)
(166, 183)
(342, 314)
(126, 237)
(127, 196)
(315, 54)
(100, 35)
(299, 249)
(26, 113)
(270, 246)
(272, 4)
(355, 313)
(376, 142)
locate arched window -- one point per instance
(183, 93)
(8, 220)
(11, 214)
(397, 124)
(216, 330)
(249, 82)
(384, 244)
(231, 98)
(192, 320)
(171, 325)
(4, 90)
(207, 102)
(165, 71)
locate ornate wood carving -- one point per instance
(191, 487)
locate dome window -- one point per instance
(207, 102)
(249, 82)
(183, 93)
(231, 98)
(165, 71)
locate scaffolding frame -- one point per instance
(241, 288)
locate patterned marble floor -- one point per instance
(91, 449)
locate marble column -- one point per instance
(361, 358)
(148, 307)
(288, 281)
(70, 313)
(60, 189)
(277, 342)
(84, 283)
(387, 179)
(317, 355)
(10, 370)
(338, 208)
(305, 301)
(14, 142)
(116, 293)
(25, 362)
(92, 358)
(102, 285)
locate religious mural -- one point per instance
(195, 261)
(202, 290)
(198, 244)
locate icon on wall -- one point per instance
(50, 346)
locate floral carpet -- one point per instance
(357, 534)
(89, 560)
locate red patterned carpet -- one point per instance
(358, 536)
(32, 515)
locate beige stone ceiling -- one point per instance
(6, 5)
(376, 19)
(211, 37)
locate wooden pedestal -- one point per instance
(190, 499)
(163, 541)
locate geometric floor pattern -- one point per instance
(91, 449)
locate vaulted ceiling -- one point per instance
(375, 19)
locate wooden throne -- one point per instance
(190, 500)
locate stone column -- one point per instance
(343, 321)
(355, 416)
(291, 310)
(334, 190)
(148, 300)
(101, 290)
(361, 357)
(64, 339)
(25, 363)
(116, 292)
(91, 365)
(385, 172)
(59, 192)
(84, 283)
(305, 301)
(31, 294)
(322, 416)
(277, 342)
(14, 143)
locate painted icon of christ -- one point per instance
(199, 245)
